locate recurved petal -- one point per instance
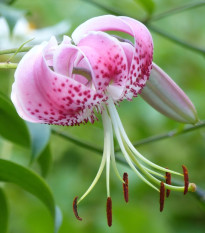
(107, 59)
(64, 59)
(162, 93)
(41, 95)
(142, 58)
(100, 23)
(143, 47)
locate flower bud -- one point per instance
(163, 94)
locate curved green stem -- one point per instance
(77, 141)
(172, 133)
(8, 51)
(180, 9)
(8, 65)
(89, 146)
(176, 40)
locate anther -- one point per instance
(75, 211)
(125, 187)
(168, 181)
(109, 211)
(186, 179)
(162, 196)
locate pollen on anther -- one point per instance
(125, 187)
(162, 196)
(186, 179)
(109, 211)
(168, 181)
(75, 210)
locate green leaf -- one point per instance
(12, 127)
(58, 219)
(40, 135)
(31, 182)
(3, 212)
(11, 15)
(45, 160)
(148, 5)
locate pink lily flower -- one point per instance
(68, 84)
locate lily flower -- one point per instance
(70, 83)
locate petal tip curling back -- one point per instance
(42, 95)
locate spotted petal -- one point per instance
(142, 56)
(107, 58)
(44, 96)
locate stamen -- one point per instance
(109, 211)
(75, 211)
(125, 187)
(162, 196)
(116, 118)
(186, 179)
(168, 181)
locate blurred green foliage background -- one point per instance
(74, 168)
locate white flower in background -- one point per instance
(25, 30)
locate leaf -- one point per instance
(40, 135)
(11, 15)
(148, 5)
(3, 212)
(31, 182)
(45, 160)
(58, 219)
(12, 127)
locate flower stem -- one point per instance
(8, 51)
(180, 9)
(77, 141)
(176, 40)
(8, 65)
(172, 133)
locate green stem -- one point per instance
(83, 144)
(110, 10)
(176, 40)
(145, 141)
(8, 65)
(8, 51)
(177, 10)
(169, 134)
(77, 141)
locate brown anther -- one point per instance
(75, 211)
(168, 181)
(109, 211)
(125, 187)
(162, 196)
(186, 179)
